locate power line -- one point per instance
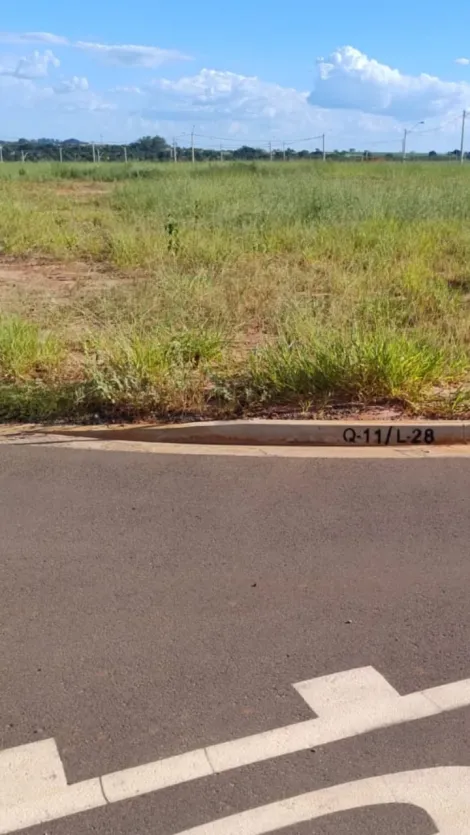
(243, 140)
(183, 145)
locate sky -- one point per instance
(237, 73)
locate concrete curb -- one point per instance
(274, 433)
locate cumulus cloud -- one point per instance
(71, 85)
(355, 101)
(247, 109)
(35, 65)
(350, 79)
(231, 93)
(463, 61)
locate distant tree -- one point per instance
(248, 153)
(432, 154)
(150, 148)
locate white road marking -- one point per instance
(81, 797)
(335, 691)
(347, 704)
(154, 776)
(444, 793)
(450, 696)
(30, 770)
(33, 786)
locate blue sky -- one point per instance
(237, 72)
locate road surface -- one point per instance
(155, 605)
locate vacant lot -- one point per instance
(131, 291)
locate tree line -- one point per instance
(157, 149)
(148, 148)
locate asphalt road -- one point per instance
(153, 604)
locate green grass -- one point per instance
(27, 351)
(237, 287)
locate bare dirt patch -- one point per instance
(50, 279)
(82, 190)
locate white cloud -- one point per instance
(247, 109)
(356, 101)
(35, 65)
(91, 103)
(350, 79)
(71, 85)
(33, 38)
(227, 93)
(463, 61)
(125, 55)
(130, 55)
(132, 89)
(44, 37)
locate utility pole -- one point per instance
(462, 138)
(193, 158)
(23, 156)
(221, 154)
(175, 154)
(403, 145)
(1, 153)
(60, 153)
(125, 152)
(284, 151)
(405, 136)
(323, 152)
(93, 151)
(270, 152)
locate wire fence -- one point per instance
(195, 147)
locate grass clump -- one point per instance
(157, 371)
(358, 366)
(28, 352)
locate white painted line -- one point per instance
(331, 728)
(80, 797)
(30, 770)
(347, 704)
(443, 793)
(157, 775)
(450, 696)
(348, 688)
(33, 786)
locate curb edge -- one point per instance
(269, 433)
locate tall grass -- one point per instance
(242, 286)
(26, 351)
